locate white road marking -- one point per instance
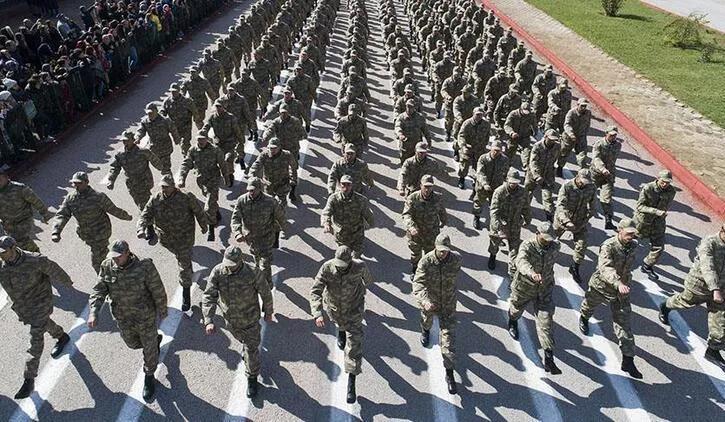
(338, 392)
(445, 407)
(3, 298)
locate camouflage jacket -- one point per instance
(505, 105)
(27, 283)
(17, 202)
(207, 162)
(492, 172)
(464, 105)
(605, 158)
(452, 88)
(135, 164)
(289, 131)
(521, 124)
(278, 170)
(251, 91)
(351, 130)
(238, 107)
(294, 106)
(350, 214)
(578, 124)
(227, 129)
(708, 271)
(652, 203)
(442, 70)
(91, 209)
(542, 161)
(575, 205)
(562, 100)
(341, 291)
(173, 217)
(533, 258)
(261, 71)
(509, 210)
(181, 110)
(614, 266)
(358, 170)
(212, 70)
(426, 215)
(473, 137)
(434, 282)
(411, 126)
(198, 88)
(237, 294)
(159, 131)
(414, 169)
(303, 87)
(259, 219)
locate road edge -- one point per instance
(692, 182)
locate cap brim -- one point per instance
(229, 263)
(513, 180)
(76, 181)
(441, 248)
(114, 254)
(548, 237)
(429, 184)
(629, 230)
(339, 262)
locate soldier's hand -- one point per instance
(537, 278)
(128, 217)
(328, 228)
(109, 185)
(55, 237)
(91, 322)
(569, 226)
(320, 321)
(181, 184)
(240, 238)
(430, 307)
(623, 289)
(487, 188)
(401, 192)
(46, 216)
(209, 329)
(539, 179)
(204, 228)
(663, 213)
(717, 296)
(413, 231)
(514, 136)
(141, 234)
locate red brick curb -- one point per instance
(688, 179)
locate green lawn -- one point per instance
(635, 39)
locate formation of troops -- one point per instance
(513, 131)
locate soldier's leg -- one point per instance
(567, 145)
(448, 340)
(148, 336)
(715, 325)
(229, 158)
(544, 308)
(211, 206)
(580, 245)
(525, 156)
(547, 200)
(250, 338)
(685, 300)
(165, 164)
(464, 165)
(513, 244)
(99, 251)
(263, 261)
(426, 320)
(494, 244)
(580, 148)
(32, 360)
(657, 245)
(183, 258)
(520, 297)
(185, 133)
(448, 116)
(592, 299)
(140, 197)
(353, 349)
(28, 244)
(415, 249)
(605, 198)
(621, 314)
(479, 200)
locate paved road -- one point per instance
(715, 9)
(202, 378)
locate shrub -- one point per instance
(611, 7)
(685, 32)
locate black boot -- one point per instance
(242, 164)
(574, 271)
(210, 234)
(664, 313)
(650, 271)
(251, 135)
(186, 301)
(149, 387)
(629, 367)
(448, 136)
(276, 241)
(341, 339)
(711, 354)
(560, 171)
(549, 365)
(59, 345)
(252, 387)
(477, 222)
(307, 128)
(451, 381)
(351, 395)
(550, 216)
(492, 262)
(292, 196)
(151, 235)
(608, 225)
(230, 180)
(425, 338)
(25, 389)
(159, 337)
(584, 325)
(462, 182)
(513, 328)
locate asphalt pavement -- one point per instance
(202, 377)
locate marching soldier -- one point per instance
(603, 168)
(352, 129)
(540, 171)
(544, 83)
(134, 161)
(278, 170)
(237, 288)
(341, 284)
(17, 202)
(26, 278)
(509, 211)
(434, 289)
(414, 168)
(288, 130)
(492, 169)
(410, 128)
(574, 137)
(199, 89)
(228, 136)
(650, 213)
(472, 140)
(346, 215)
(354, 167)
(181, 110)
(160, 130)
(423, 216)
(520, 127)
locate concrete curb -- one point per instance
(688, 179)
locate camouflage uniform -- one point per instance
(212, 70)
(137, 297)
(342, 293)
(210, 168)
(173, 219)
(605, 158)
(358, 170)
(574, 137)
(352, 129)
(509, 211)
(349, 215)
(27, 282)
(450, 90)
(410, 128)
(251, 91)
(181, 110)
(490, 174)
(543, 84)
(575, 205)
(520, 127)
(134, 161)
(540, 172)
(228, 136)
(160, 130)
(17, 202)
(279, 173)
(289, 131)
(304, 90)
(199, 88)
(427, 216)
(650, 214)
(472, 141)
(559, 104)
(413, 170)
(441, 71)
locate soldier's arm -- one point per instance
(98, 296)
(269, 132)
(186, 165)
(54, 271)
(141, 132)
(569, 122)
(643, 200)
(198, 117)
(424, 130)
(210, 298)
(155, 287)
(109, 207)
(210, 91)
(523, 263)
(238, 226)
(146, 219)
(293, 166)
(420, 287)
(34, 200)
(62, 216)
(367, 175)
(326, 216)
(562, 205)
(239, 135)
(332, 179)
(408, 218)
(535, 163)
(198, 211)
(508, 126)
(264, 292)
(368, 214)
(249, 116)
(708, 266)
(366, 136)
(257, 169)
(367, 277)
(442, 214)
(114, 171)
(279, 216)
(318, 287)
(607, 266)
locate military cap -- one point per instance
(254, 183)
(427, 180)
(401, 53)
(525, 107)
(118, 248)
(514, 88)
(564, 82)
(665, 176)
(549, 67)
(167, 180)
(627, 225)
(443, 243)
(274, 143)
(584, 175)
(478, 110)
(283, 108)
(513, 176)
(612, 130)
(174, 87)
(265, 37)
(201, 136)
(218, 102)
(546, 230)
(193, 69)
(529, 53)
(152, 106)
(552, 134)
(231, 88)
(346, 178)
(128, 134)
(467, 88)
(352, 107)
(343, 256)
(288, 90)
(349, 148)
(233, 256)
(7, 243)
(79, 177)
(496, 144)
(421, 147)
(407, 71)
(582, 101)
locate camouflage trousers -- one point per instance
(164, 163)
(99, 251)
(480, 197)
(27, 244)
(262, 254)
(182, 253)
(547, 196)
(231, 148)
(621, 313)
(456, 129)
(37, 342)
(448, 118)
(250, 337)
(140, 195)
(437, 95)
(512, 241)
(210, 190)
(185, 135)
(569, 144)
(21, 233)
(447, 324)
(407, 150)
(540, 105)
(142, 336)
(354, 242)
(420, 244)
(655, 234)
(519, 150)
(580, 240)
(715, 314)
(353, 347)
(523, 293)
(468, 159)
(606, 192)
(280, 191)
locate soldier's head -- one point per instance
(152, 109)
(219, 105)
(410, 106)
(563, 85)
(284, 112)
(175, 90)
(343, 257)
(427, 182)
(168, 187)
(265, 40)
(304, 55)
(8, 249)
(551, 137)
(495, 148)
(254, 187)
(513, 181)
(194, 71)
(245, 72)
(202, 140)
(513, 89)
(299, 70)
(79, 181)
(611, 135)
(288, 94)
(583, 178)
(442, 246)
(409, 91)
(129, 140)
(274, 147)
(664, 179)
(477, 114)
(525, 108)
(353, 110)
(626, 231)
(581, 105)
(233, 258)
(548, 70)
(350, 153)
(421, 150)
(467, 89)
(545, 233)
(346, 184)
(4, 176)
(119, 252)
(207, 52)
(457, 71)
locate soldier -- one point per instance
(91, 209)
(559, 103)
(160, 130)
(26, 278)
(509, 211)
(496, 87)
(534, 282)
(198, 89)
(410, 128)
(526, 69)
(611, 284)
(278, 170)
(236, 104)
(304, 90)
(508, 102)
(17, 202)
(472, 141)
(492, 169)
(705, 283)
(441, 71)
(134, 161)
(341, 285)
(354, 167)
(650, 215)
(257, 220)
(213, 71)
(543, 84)
(295, 107)
(171, 213)
(239, 288)
(540, 171)
(253, 93)
(520, 127)
(574, 208)
(414, 168)
(352, 129)
(408, 94)
(138, 304)
(482, 71)
(423, 216)
(603, 168)
(228, 136)
(434, 289)
(207, 161)
(181, 110)
(463, 107)
(288, 130)
(262, 73)
(346, 215)
(576, 128)
(450, 90)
